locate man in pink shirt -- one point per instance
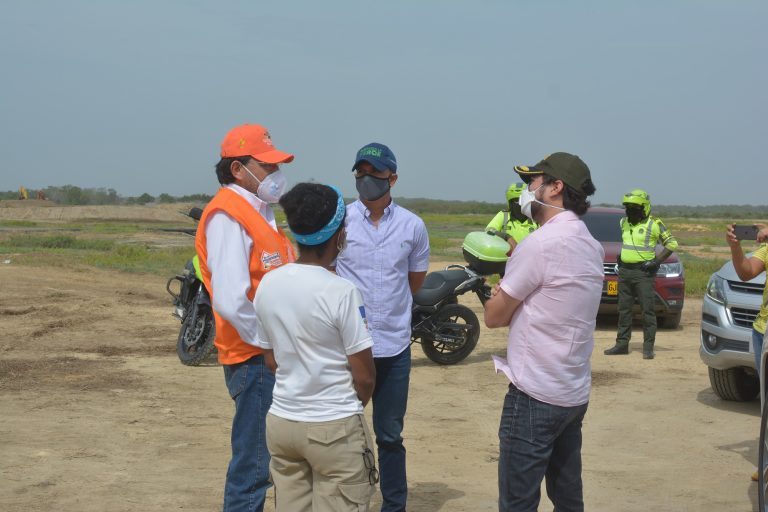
(548, 298)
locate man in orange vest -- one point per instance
(238, 242)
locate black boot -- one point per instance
(648, 354)
(617, 350)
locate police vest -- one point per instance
(270, 250)
(639, 240)
(513, 227)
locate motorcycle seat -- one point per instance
(439, 285)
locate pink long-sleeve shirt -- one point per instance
(557, 273)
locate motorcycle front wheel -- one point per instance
(454, 332)
(196, 341)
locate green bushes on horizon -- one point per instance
(74, 195)
(104, 244)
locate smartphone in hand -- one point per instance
(745, 231)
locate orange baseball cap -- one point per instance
(254, 141)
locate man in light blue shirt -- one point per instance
(386, 257)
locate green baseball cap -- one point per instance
(564, 166)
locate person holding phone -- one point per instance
(747, 269)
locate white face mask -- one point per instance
(526, 200)
(272, 188)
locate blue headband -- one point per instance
(329, 229)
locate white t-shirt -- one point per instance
(312, 319)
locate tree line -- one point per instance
(73, 195)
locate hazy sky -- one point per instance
(137, 95)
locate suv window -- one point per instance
(603, 226)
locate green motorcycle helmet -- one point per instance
(514, 191)
(639, 197)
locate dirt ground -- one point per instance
(97, 413)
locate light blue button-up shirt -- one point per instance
(378, 259)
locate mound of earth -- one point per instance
(26, 203)
(34, 210)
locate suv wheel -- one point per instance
(734, 384)
(670, 322)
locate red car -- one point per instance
(669, 284)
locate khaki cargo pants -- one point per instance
(323, 466)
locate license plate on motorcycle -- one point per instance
(613, 287)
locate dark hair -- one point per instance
(224, 168)
(574, 199)
(308, 207)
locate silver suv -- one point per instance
(727, 312)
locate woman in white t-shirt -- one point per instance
(313, 332)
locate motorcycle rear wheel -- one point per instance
(454, 335)
(195, 342)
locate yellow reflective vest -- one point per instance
(513, 227)
(639, 240)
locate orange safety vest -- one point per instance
(270, 250)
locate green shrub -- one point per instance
(18, 224)
(57, 242)
(142, 258)
(697, 272)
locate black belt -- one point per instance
(631, 265)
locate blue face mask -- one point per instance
(371, 188)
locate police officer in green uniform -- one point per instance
(512, 222)
(638, 264)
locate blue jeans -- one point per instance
(390, 399)
(537, 440)
(250, 385)
(757, 346)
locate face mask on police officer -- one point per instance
(371, 188)
(634, 215)
(515, 212)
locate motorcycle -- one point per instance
(192, 306)
(448, 331)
